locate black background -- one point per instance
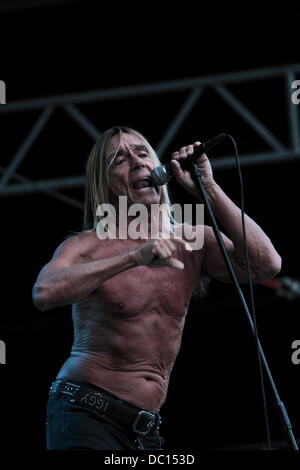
(214, 399)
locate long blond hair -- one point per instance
(97, 189)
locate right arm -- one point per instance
(67, 279)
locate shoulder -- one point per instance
(78, 245)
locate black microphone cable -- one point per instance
(252, 303)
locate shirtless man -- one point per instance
(130, 298)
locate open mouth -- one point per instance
(144, 183)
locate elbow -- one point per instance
(274, 264)
(39, 298)
(270, 267)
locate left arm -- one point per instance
(264, 260)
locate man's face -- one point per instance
(129, 174)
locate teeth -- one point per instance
(139, 183)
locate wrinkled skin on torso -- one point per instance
(127, 333)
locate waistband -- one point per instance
(141, 421)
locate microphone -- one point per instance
(163, 173)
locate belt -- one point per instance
(142, 422)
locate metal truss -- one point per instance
(195, 87)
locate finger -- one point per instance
(162, 251)
(190, 150)
(186, 245)
(183, 152)
(196, 144)
(171, 245)
(175, 263)
(177, 170)
(166, 242)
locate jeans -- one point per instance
(72, 426)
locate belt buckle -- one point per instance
(149, 425)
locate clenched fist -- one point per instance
(155, 253)
(184, 177)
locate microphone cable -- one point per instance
(252, 304)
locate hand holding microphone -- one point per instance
(163, 173)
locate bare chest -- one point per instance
(142, 288)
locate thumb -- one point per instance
(177, 170)
(175, 263)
